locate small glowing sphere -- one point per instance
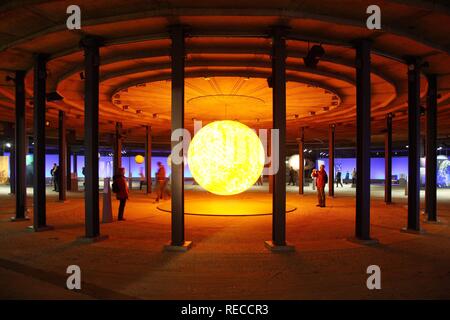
(294, 162)
(139, 159)
(226, 157)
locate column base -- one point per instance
(275, 248)
(84, 239)
(182, 248)
(412, 231)
(14, 219)
(365, 242)
(40, 229)
(62, 201)
(438, 221)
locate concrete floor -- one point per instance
(228, 259)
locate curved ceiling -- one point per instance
(229, 45)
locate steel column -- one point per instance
(148, 158)
(431, 155)
(279, 123)
(68, 168)
(177, 34)
(39, 201)
(12, 164)
(117, 160)
(301, 158)
(20, 145)
(388, 160)
(62, 155)
(269, 153)
(75, 164)
(331, 148)
(363, 104)
(414, 146)
(91, 100)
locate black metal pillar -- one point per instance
(269, 153)
(117, 160)
(62, 155)
(39, 201)
(20, 145)
(363, 104)
(75, 164)
(331, 148)
(301, 165)
(12, 165)
(148, 158)
(414, 146)
(279, 124)
(68, 168)
(91, 100)
(431, 162)
(388, 160)
(177, 34)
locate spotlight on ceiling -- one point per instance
(82, 77)
(313, 56)
(54, 96)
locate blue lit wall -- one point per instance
(105, 165)
(399, 166)
(129, 163)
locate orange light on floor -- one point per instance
(226, 157)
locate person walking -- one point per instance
(56, 174)
(141, 178)
(160, 181)
(120, 188)
(52, 173)
(314, 179)
(259, 182)
(354, 177)
(339, 179)
(291, 176)
(321, 180)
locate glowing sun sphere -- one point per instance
(226, 157)
(139, 159)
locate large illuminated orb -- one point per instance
(294, 162)
(226, 157)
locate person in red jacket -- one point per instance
(160, 181)
(122, 191)
(321, 180)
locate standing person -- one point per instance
(354, 177)
(52, 173)
(56, 174)
(321, 180)
(259, 182)
(141, 178)
(120, 188)
(339, 179)
(83, 172)
(314, 179)
(160, 181)
(291, 176)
